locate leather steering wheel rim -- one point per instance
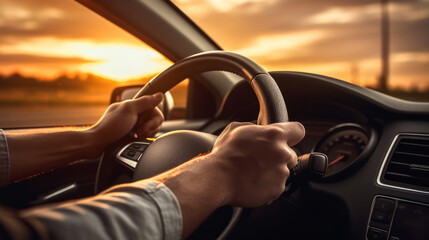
(272, 107)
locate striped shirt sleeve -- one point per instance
(141, 210)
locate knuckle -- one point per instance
(161, 117)
(116, 104)
(287, 153)
(127, 105)
(273, 132)
(234, 125)
(147, 98)
(230, 127)
(285, 171)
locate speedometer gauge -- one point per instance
(344, 145)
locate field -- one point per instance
(38, 116)
(42, 107)
(30, 102)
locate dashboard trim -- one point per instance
(383, 165)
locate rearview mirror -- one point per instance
(120, 94)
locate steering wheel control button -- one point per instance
(132, 153)
(384, 205)
(376, 234)
(137, 147)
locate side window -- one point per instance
(59, 63)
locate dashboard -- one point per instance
(367, 137)
(377, 184)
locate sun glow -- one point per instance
(125, 62)
(116, 61)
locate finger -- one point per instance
(235, 125)
(147, 116)
(153, 132)
(293, 132)
(157, 114)
(147, 134)
(155, 118)
(145, 126)
(155, 122)
(147, 102)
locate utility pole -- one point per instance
(385, 46)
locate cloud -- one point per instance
(273, 44)
(52, 37)
(326, 36)
(409, 12)
(237, 28)
(248, 5)
(349, 34)
(338, 15)
(26, 19)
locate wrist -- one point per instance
(201, 178)
(94, 144)
(222, 177)
(200, 188)
(214, 178)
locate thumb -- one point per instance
(147, 102)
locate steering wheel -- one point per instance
(175, 148)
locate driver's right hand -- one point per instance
(256, 160)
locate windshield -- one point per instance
(377, 44)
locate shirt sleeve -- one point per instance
(141, 210)
(4, 160)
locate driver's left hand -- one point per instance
(140, 115)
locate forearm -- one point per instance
(40, 150)
(198, 191)
(32, 152)
(149, 211)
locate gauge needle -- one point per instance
(336, 160)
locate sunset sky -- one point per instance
(336, 38)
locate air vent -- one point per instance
(408, 165)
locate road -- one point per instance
(18, 117)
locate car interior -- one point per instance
(376, 184)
